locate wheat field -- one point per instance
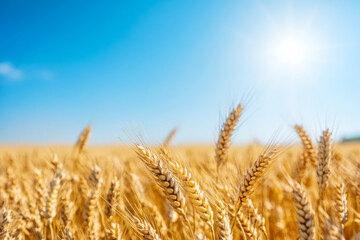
(309, 190)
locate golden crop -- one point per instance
(307, 191)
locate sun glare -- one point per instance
(291, 52)
(290, 56)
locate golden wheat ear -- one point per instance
(256, 219)
(222, 222)
(5, 220)
(308, 146)
(192, 189)
(80, 144)
(303, 212)
(227, 130)
(40, 191)
(91, 213)
(332, 232)
(112, 198)
(83, 139)
(163, 178)
(252, 176)
(113, 232)
(145, 230)
(341, 205)
(324, 158)
(52, 199)
(170, 137)
(246, 227)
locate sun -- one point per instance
(291, 51)
(290, 56)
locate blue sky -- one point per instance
(164, 64)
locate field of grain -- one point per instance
(306, 191)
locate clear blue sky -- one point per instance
(164, 64)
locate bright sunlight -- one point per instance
(291, 51)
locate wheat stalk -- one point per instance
(137, 187)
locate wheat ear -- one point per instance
(307, 144)
(90, 213)
(164, 179)
(256, 219)
(5, 221)
(245, 225)
(333, 233)
(301, 166)
(65, 210)
(324, 157)
(113, 232)
(83, 186)
(40, 191)
(91, 216)
(56, 164)
(252, 176)
(83, 139)
(192, 190)
(145, 230)
(52, 199)
(341, 205)
(170, 137)
(303, 213)
(112, 198)
(223, 143)
(222, 221)
(68, 235)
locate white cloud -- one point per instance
(9, 71)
